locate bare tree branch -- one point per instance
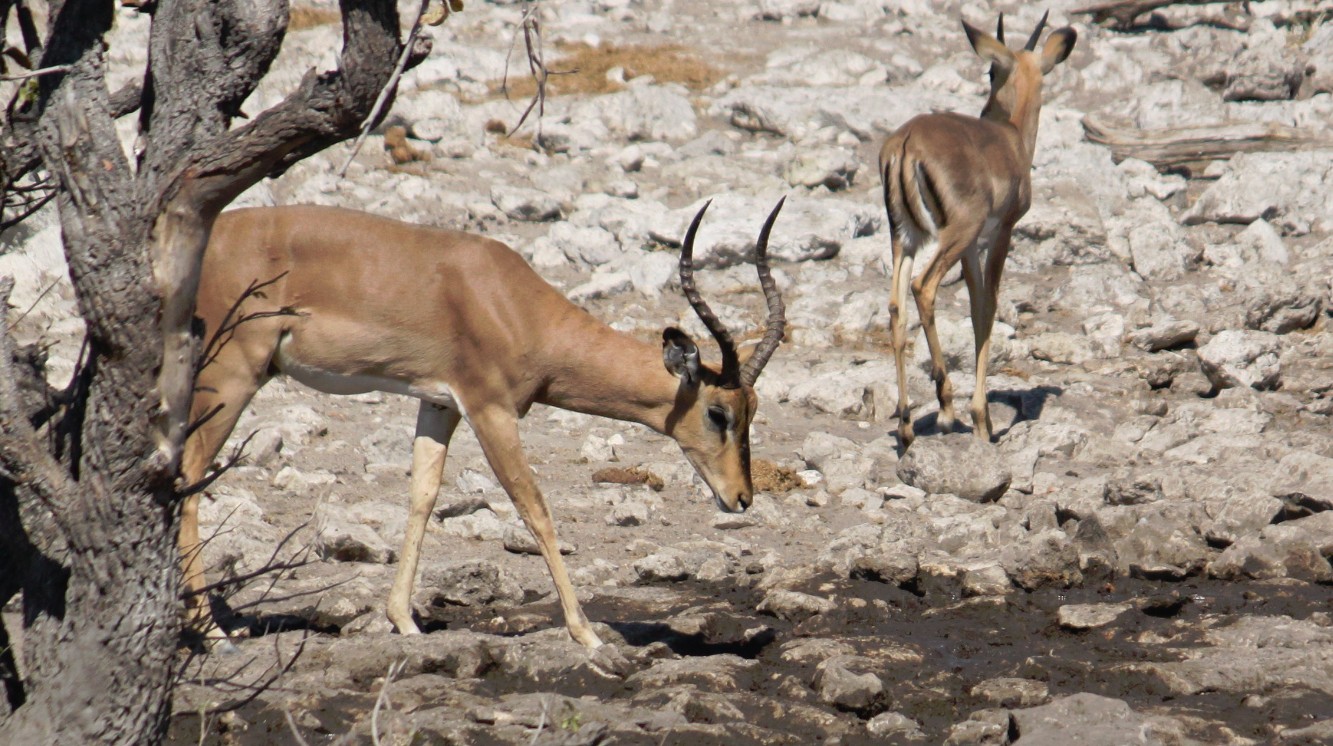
(384, 92)
(38, 73)
(23, 459)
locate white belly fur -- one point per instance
(331, 382)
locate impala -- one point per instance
(355, 303)
(964, 181)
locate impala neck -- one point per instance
(599, 371)
(1018, 103)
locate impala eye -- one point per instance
(717, 417)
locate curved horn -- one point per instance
(777, 319)
(706, 315)
(999, 29)
(1036, 33)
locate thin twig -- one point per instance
(291, 724)
(52, 70)
(237, 454)
(536, 56)
(33, 305)
(325, 588)
(203, 724)
(541, 722)
(270, 566)
(233, 319)
(394, 669)
(384, 92)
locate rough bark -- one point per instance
(1120, 14)
(89, 503)
(1178, 147)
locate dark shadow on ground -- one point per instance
(641, 634)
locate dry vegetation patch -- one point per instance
(632, 475)
(306, 16)
(773, 478)
(583, 69)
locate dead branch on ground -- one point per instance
(1121, 13)
(1183, 147)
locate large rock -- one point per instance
(453, 653)
(838, 686)
(1011, 692)
(1294, 191)
(1296, 549)
(643, 113)
(1276, 301)
(895, 728)
(1065, 226)
(661, 566)
(1268, 68)
(1044, 559)
(1165, 334)
(1306, 478)
(1159, 545)
(778, 10)
(1242, 358)
(810, 66)
(867, 392)
(831, 168)
(341, 536)
(793, 605)
(1087, 719)
(796, 111)
(522, 203)
(1159, 249)
(807, 228)
(957, 464)
(588, 246)
(469, 583)
(1081, 617)
(1274, 652)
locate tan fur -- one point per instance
(963, 181)
(385, 304)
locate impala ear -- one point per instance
(988, 47)
(1057, 48)
(680, 355)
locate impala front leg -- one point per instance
(435, 427)
(497, 431)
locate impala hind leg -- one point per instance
(902, 278)
(954, 242)
(435, 427)
(983, 323)
(222, 391)
(977, 301)
(497, 431)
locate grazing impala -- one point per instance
(963, 181)
(361, 303)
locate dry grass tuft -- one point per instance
(774, 479)
(582, 69)
(306, 16)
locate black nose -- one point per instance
(743, 502)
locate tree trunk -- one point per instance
(88, 500)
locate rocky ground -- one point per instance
(1142, 556)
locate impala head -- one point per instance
(1015, 77)
(711, 417)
